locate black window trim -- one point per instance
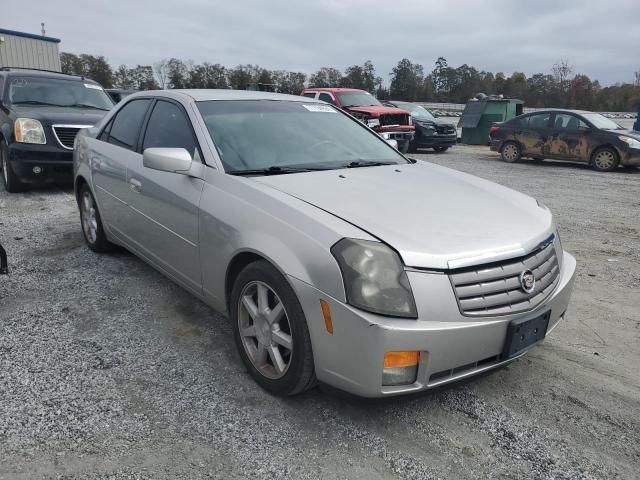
(145, 124)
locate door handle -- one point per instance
(135, 185)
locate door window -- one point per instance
(325, 97)
(566, 121)
(521, 122)
(169, 127)
(539, 120)
(126, 126)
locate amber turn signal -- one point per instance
(326, 313)
(401, 359)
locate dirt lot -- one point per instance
(108, 370)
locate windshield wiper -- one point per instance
(367, 163)
(84, 105)
(274, 170)
(37, 102)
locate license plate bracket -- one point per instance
(523, 333)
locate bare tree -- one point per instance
(636, 80)
(562, 70)
(161, 72)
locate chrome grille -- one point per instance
(495, 289)
(445, 129)
(66, 134)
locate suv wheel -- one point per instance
(510, 152)
(605, 159)
(91, 222)
(270, 331)
(12, 183)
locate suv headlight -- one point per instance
(373, 122)
(28, 130)
(410, 120)
(632, 142)
(374, 278)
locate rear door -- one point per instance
(165, 205)
(568, 138)
(533, 136)
(114, 148)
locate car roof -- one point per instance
(202, 95)
(333, 89)
(27, 72)
(561, 110)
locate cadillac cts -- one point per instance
(337, 259)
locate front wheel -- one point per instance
(12, 183)
(605, 159)
(441, 149)
(510, 152)
(270, 331)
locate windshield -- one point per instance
(358, 99)
(58, 92)
(600, 121)
(261, 134)
(417, 111)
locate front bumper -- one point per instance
(55, 162)
(436, 140)
(452, 346)
(631, 157)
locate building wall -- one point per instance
(17, 51)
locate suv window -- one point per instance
(539, 120)
(126, 126)
(169, 127)
(325, 97)
(566, 121)
(310, 94)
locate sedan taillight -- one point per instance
(493, 130)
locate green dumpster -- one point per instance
(479, 114)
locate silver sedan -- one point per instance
(337, 259)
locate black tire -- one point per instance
(300, 373)
(403, 146)
(99, 244)
(510, 152)
(605, 159)
(412, 148)
(441, 149)
(11, 181)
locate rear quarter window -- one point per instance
(520, 122)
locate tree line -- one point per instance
(561, 87)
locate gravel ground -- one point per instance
(109, 371)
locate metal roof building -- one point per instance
(19, 49)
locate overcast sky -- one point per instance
(600, 38)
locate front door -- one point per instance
(567, 140)
(165, 205)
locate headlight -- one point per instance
(632, 142)
(410, 120)
(373, 122)
(374, 278)
(28, 130)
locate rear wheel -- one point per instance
(441, 149)
(12, 182)
(270, 331)
(510, 152)
(605, 159)
(92, 222)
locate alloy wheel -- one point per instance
(89, 218)
(265, 330)
(604, 160)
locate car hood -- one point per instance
(627, 133)
(377, 110)
(59, 115)
(434, 217)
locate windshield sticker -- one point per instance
(319, 108)
(91, 85)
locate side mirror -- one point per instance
(174, 160)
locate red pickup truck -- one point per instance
(390, 122)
